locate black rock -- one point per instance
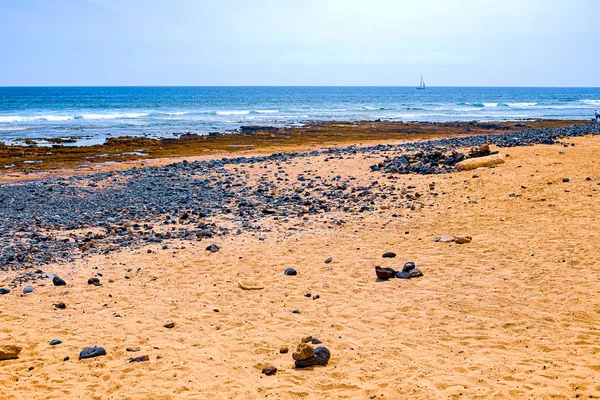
(565, 179)
(55, 342)
(290, 271)
(389, 254)
(28, 289)
(322, 355)
(213, 248)
(4, 290)
(316, 341)
(90, 352)
(408, 266)
(403, 275)
(58, 281)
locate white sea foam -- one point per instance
(233, 112)
(521, 105)
(19, 118)
(490, 104)
(591, 102)
(62, 118)
(114, 116)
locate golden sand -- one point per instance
(514, 314)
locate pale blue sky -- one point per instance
(300, 42)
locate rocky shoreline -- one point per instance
(61, 219)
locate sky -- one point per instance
(300, 42)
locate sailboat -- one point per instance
(422, 84)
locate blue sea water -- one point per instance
(94, 113)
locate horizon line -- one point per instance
(294, 86)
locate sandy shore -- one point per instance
(514, 314)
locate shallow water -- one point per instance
(99, 112)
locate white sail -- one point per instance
(422, 83)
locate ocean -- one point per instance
(91, 114)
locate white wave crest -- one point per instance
(521, 105)
(490, 104)
(243, 112)
(18, 118)
(114, 116)
(591, 102)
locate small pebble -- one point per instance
(284, 350)
(139, 359)
(213, 248)
(328, 260)
(4, 290)
(58, 281)
(55, 342)
(565, 180)
(389, 254)
(94, 281)
(60, 306)
(269, 371)
(290, 272)
(28, 289)
(169, 325)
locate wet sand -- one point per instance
(514, 314)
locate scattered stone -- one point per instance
(60, 306)
(389, 254)
(213, 248)
(94, 281)
(169, 325)
(415, 273)
(306, 339)
(28, 289)
(4, 291)
(133, 349)
(328, 260)
(284, 350)
(9, 351)
(290, 272)
(445, 239)
(139, 359)
(90, 352)
(463, 239)
(55, 342)
(58, 281)
(296, 312)
(316, 296)
(408, 266)
(269, 371)
(316, 341)
(403, 275)
(67, 358)
(250, 285)
(384, 273)
(565, 180)
(303, 351)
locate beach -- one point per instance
(511, 314)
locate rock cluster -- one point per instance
(307, 356)
(409, 270)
